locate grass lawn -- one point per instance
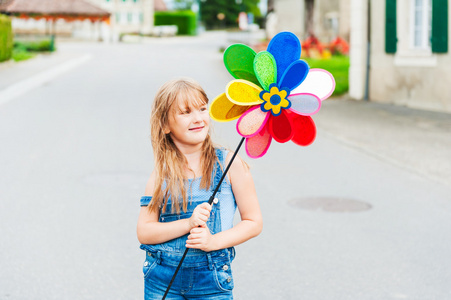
(24, 50)
(338, 66)
(20, 54)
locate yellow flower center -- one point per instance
(275, 100)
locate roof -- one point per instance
(52, 7)
(3, 4)
(159, 5)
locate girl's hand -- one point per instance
(200, 238)
(200, 215)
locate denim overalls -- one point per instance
(203, 275)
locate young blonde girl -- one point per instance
(175, 213)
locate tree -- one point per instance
(183, 4)
(211, 8)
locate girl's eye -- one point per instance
(204, 108)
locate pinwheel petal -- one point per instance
(239, 61)
(257, 145)
(265, 69)
(304, 104)
(251, 122)
(304, 130)
(286, 48)
(222, 110)
(294, 75)
(318, 82)
(242, 92)
(280, 128)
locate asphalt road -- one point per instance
(340, 221)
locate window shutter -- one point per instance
(439, 39)
(390, 26)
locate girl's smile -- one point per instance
(197, 128)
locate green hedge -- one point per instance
(186, 21)
(6, 38)
(35, 46)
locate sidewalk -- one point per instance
(416, 140)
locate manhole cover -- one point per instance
(330, 204)
(117, 179)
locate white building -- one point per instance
(129, 16)
(408, 57)
(326, 19)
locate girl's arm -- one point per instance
(152, 232)
(251, 219)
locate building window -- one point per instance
(123, 18)
(130, 17)
(421, 25)
(136, 19)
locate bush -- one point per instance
(186, 21)
(35, 46)
(6, 38)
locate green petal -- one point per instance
(239, 61)
(265, 69)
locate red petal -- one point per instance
(280, 127)
(304, 130)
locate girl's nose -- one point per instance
(197, 116)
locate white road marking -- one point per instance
(24, 86)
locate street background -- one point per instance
(362, 213)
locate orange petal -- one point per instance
(222, 110)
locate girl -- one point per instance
(175, 213)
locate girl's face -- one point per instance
(188, 123)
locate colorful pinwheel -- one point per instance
(274, 94)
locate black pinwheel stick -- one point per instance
(210, 201)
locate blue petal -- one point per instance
(286, 48)
(294, 75)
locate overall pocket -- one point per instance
(223, 276)
(149, 264)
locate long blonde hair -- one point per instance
(170, 163)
